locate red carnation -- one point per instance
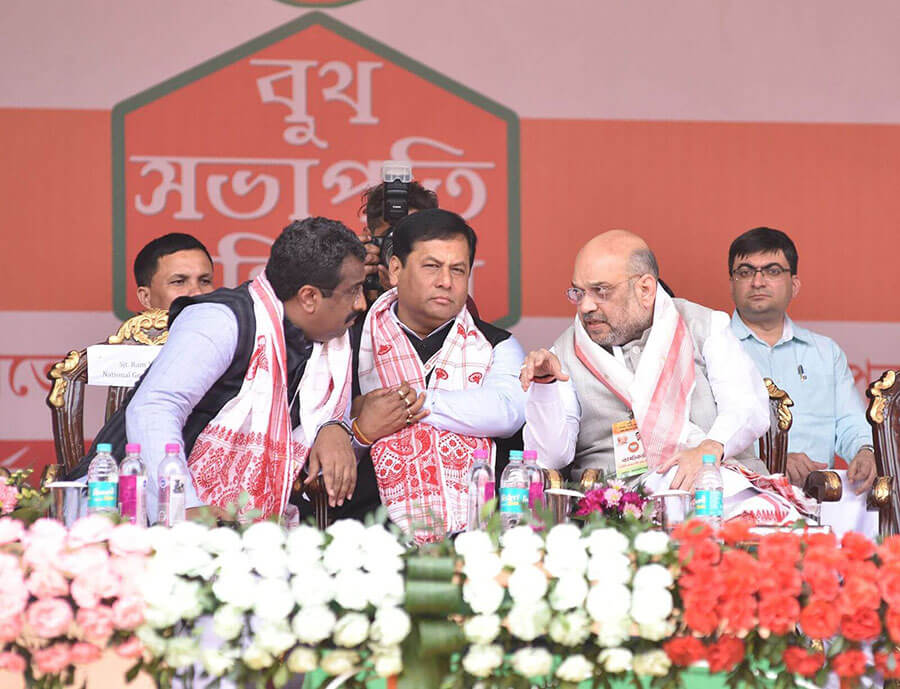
(684, 650)
(892, 624)
(889, 551)
(780, 578)
(802, 662)
(698, 554)
(724, 654)
(780, 547)
(738, 613)
(778, 613)
(740, 572)
(882, 663)
(699, 615)
(863, 625)
(856, 546)
(859, 592)
(820, 539)
(819, 619)
(889, 584)
(737, 530)
(823, 580)
(851, 663)
(692, 530)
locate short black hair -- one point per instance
(763, 240)
(372, 198)
(146, 262)
(432, 223)
(311, 252)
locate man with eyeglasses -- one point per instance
(829, 417)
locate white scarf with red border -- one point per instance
(249, 446)
(423, 471)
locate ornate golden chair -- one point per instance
(883, 415)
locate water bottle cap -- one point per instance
(480, 454)
(515, 455)
(133, 448)
(104, 447)
(709, 459)
(173, 447)
(529, 454)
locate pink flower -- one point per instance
(10, 530)
(52, 659)
(132, 648)
(612, 496)
(10, 627)
(128, 613)
(96, 623)
(93, 585)
(12, 662)
(128, 539)
(49, 617)
(85, 559)
(633, 510)
(46, 582)
(44, 542)
(128, 569)
(94, 528)
(9, 497)
(84, 653)
(13, 592)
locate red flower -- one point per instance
(692, 530)
(830, 556)
(724, 654)
(684, 650)
(892, 624)
(863, 625)
(819, 619)
(778, 613)
(858, 592)
(781, 547)
(856, 546)
(740, 572)
(820, 540)
(699, 554)
(780, 578)
(699, 615)
(882, 664)
(851, 663)
(889, 584)
(889, 551)
(801, 662)
(823, 580)
(738, 613)
(737, 530)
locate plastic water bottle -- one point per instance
(133, 486)
(173, 477)
(535, 479)
(481, 490)
(708, 493)
(103, 481)
(513, 491)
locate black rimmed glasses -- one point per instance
(746, 272)
(599, 293)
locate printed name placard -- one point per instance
(120, 365)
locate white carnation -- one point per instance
(571, 628)
(313, 624)
(218, 662)
(222, 540)
(181, 652)
(267, 536)
(382, 549)
(341, 556)
(610, 603)
(351, 630)
(521, 546)
(234, 562)
(315, 586)
(187, 599)
(529, 621)
(302, 660)
(339, 662)
(269, 564)
(274, 599)
(228, 622)
(609, 570)
(351, 531)
(274, 637)
(391, 626)
(189, 534)
(192, 561)
(652, 542)
(561, 564)
(527, 584)
(532, 662)
(482, 629)
(651, 664)
(481, 660)
(483, 596)
(564, 538)
(482, 566)
(235, 588)
(651, 577)
(303, 548)
(569, 592)
(256, 658)
(607, 541)
(152, 641)
(350, 589)
(385, 587)
(388, 662)
(651, 605)
(615, 660)
(473, 543)
(575, 668)
(611, 633)
(656, 631)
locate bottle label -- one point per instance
(102, 495)
(131, 498)
(171, 499)
(708, 503)
(488, 491)
(535, 494)
(512, 500)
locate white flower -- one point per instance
(473, 543)
(303, 538)
(609, 570)
(313, 624)
(236, 588)
(302, 660)
(382, 550)
(351, 589)
(348, 530)
(217, 662)
(532, 662)
(267, 536)
(481, 660)
(228, 621)
(656, 631)
(189, 534)
(651, 605)
(385, 587)
(529, 621)
(482, 629)
(651, 577)
(343, 555)
(482, 566)
(182, 651)
(222, 540)
(527, 584)
(561, 564)
(274, 637)
(158, 537)
(569, 592)
(615, 660)
(612, 633)
(607, 541)
(483, 596)
(234, 562)
(521, 546)
(575, 668)
(351, 630)
(152, 641)
(652, 542)
(388, 662)
(565, 538)
(255, 657)
(270, 564)
(571, 628)
(652, 663)
(340, 661)
(608, 603)
(391, 626)
(315, 586)
(274, 599)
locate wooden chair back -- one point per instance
(773, 445)
(883, 415)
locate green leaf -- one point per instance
(134, 670)
(281, 676)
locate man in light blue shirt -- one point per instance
(829, 417)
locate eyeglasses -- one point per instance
(773, 271)
(599, 294)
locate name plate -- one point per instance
(119, 365)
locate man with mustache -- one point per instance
(643, 386)
(829, 415)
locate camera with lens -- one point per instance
(396, 176)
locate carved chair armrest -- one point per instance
(823, 485)
(880, 493)
(318, 497)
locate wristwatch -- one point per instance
(338, 422)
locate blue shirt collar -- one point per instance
(791, 331)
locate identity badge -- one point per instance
(631, 460)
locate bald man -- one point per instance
(641, 384)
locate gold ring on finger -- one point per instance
(407, 402)
(401, 393)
